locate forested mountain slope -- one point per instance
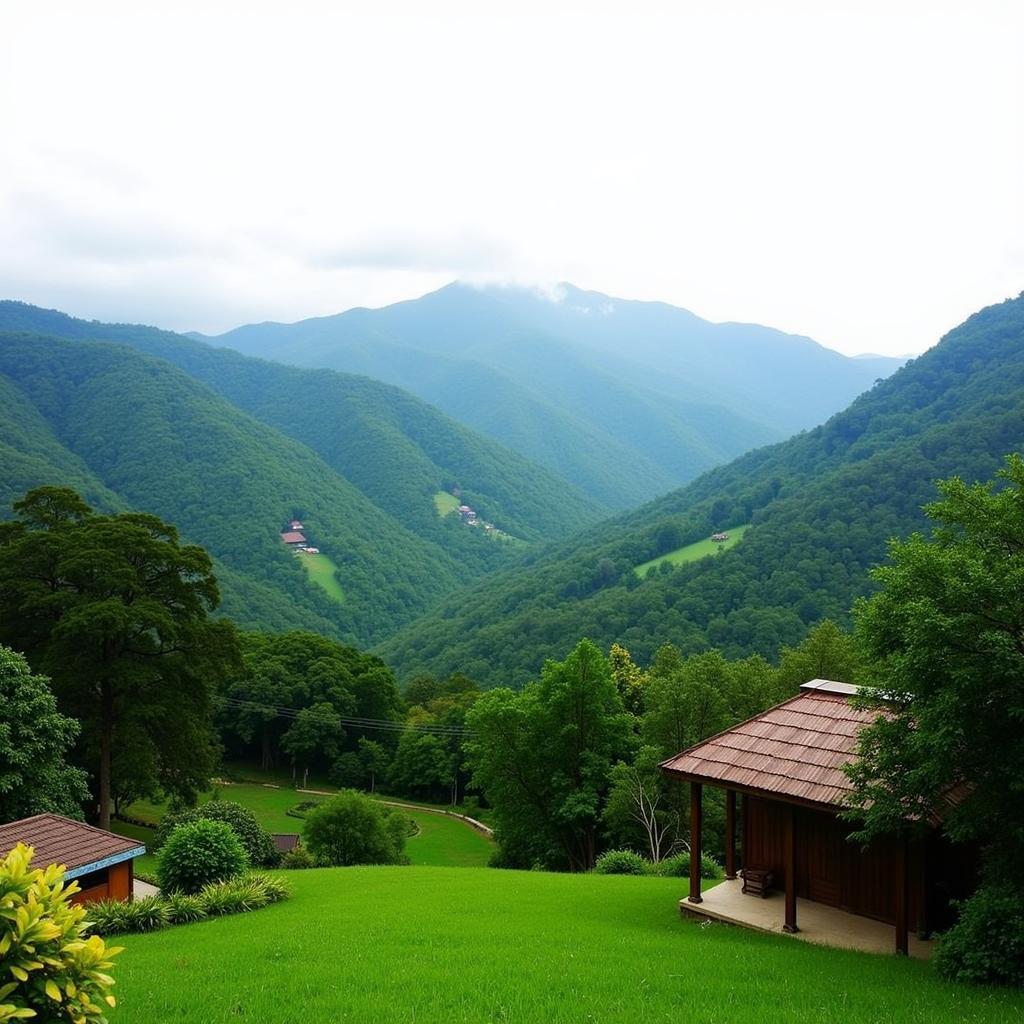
(165, 443)
(822, 507)
(625, 399)
(395, 448)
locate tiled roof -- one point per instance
(293, 537)
(59, 840)
(795, 749)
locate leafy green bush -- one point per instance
(58, 974)
(298, 858)
(350, 828)
(259, 847)
(183, 908)
(198, 853)
(620, 862)
(986, 946)
(678, 866)
(242, 894)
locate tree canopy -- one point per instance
(35, 739)
(117, 612)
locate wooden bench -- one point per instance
(757, 881)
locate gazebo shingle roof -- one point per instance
(59, 840)
(794, 750)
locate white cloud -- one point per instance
(848, 171)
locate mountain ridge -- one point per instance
(633, 402)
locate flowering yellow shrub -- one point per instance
(48, 972)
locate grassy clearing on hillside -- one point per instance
(691, 552)
(321, 571)
(436, 945)
(440, 841)
(147, 863)
(445, 503)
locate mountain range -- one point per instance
(818, 509)
(230, 448)
(625, 399)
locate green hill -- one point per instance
(625, 399)
(118, 422)
(821, 507)
(433, 945)
(393, 447)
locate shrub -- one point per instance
(986, 946)
(183, 908)
(198, 853)
(350, 828)
(620, 862)
(678, 866)
(297, 858)
(242, 894)
(55, 972)
(259, 847)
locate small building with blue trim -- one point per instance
(101, 862)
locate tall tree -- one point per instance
(117, 612)
(34, 741)
(543, 758)
(946, 635)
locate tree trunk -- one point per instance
(265, 752)
(106, 749)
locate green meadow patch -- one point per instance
(691, 552)
(321, 571)
(445, 503)
(441, 840)
(436, 946)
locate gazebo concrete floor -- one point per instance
(816, 922)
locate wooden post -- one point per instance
(696, 823)
(790, 856)
(744, 837)
(730, 834)
(902, 894)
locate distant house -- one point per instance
(285, 842)
(101, 862)
(786, 764)
(293, 538)
(719, 538)
(295, 525)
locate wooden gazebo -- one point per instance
(786, 765)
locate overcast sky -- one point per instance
(851, 171)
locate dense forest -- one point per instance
(167, 444)
(625, 399)
(392, 446)
(822, 507)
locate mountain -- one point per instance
(625, 399)
(819, 510)
(398, 450)
(130, 430)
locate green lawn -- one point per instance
(146, 864)
(445, 502)
(691, 552)
(441, 840)
(439, 946)
(321, 571)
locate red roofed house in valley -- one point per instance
(293, 537)
(100, 861)
(786, 764)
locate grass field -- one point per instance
(440, 841)
(435, 946)
(146, 864)
(691, 552)
(321, 571)
(445, 502)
